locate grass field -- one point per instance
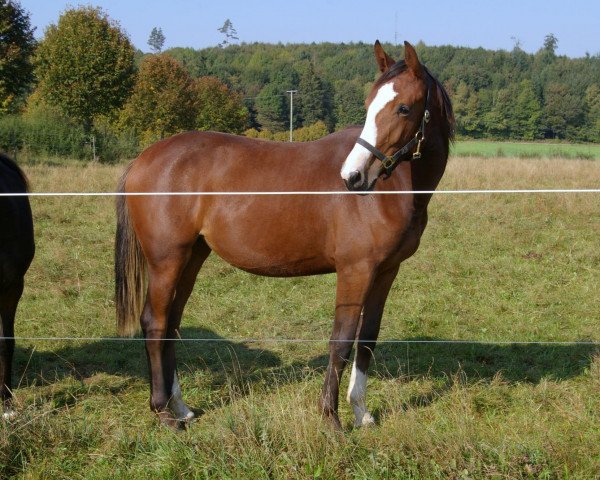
(486, 148)
(491, 268)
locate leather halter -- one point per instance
(391, 162)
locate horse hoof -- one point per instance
(169, 421)
(334, 421)
(366, 421)
(9, 415)
(188, 418)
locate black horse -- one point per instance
(16, 252)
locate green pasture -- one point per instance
(488, 148)
(502, 273)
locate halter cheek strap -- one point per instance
(391, 162)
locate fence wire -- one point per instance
(306, 193)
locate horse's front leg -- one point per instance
(8, 306)
(369, 330)
(353, 284)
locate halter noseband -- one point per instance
(391, 162)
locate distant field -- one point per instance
(490, 268)
(484, 148)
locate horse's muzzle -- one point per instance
(356, 182)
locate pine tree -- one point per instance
(312, 101)
(229, 32)
(156, 40)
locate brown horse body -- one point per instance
(363, 238)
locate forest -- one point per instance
(84, 87)
(496, 94)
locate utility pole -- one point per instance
(93, 139)
(291, 92)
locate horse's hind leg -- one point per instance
(165, 267)
(8, 306)
(369, 330)
(182, 293)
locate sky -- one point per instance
(485, 23)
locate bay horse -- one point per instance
(362, 238)
(16, 253)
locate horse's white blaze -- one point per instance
(357, 397)
(358, 157)
(176, 403)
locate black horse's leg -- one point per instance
(352, 285)
(183, 291)
(9, 300)
(369, 330)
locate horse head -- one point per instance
(397, 113)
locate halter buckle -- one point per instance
(388, 163)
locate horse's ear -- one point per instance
(412, 60)
(383, 59)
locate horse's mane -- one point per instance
(10, 164)
(439, 92)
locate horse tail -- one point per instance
(130, 269)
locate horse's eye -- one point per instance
(403, 110)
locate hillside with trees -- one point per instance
(496, 94)
(83, 86)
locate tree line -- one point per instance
(496, 94)
(84, 78)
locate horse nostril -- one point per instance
(354, 179)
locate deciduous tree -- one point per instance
(16, 48)
(466, 111)
(592, 124)
(217, 107)
(349, 102)
(85, 64)
(162, 101)
(563, 110)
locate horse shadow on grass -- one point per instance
(224, 360)
(81, 360)
(475, 361)
(413, 357)
(446, 362)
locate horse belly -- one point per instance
(272, 240)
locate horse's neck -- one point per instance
(428, 171)
(426, 174)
